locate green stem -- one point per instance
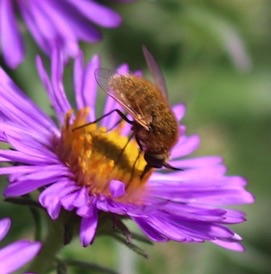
(54, 241)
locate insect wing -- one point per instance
(156, 72)
(103, 77)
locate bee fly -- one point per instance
(154, 125)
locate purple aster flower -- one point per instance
(81, 170)
(17, 254)
(63, 22)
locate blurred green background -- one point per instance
(216, 58)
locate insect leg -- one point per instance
(133, 170)
(121, 153)
(167, 165)
(123, 116)
(146, 169)
(147, 166)
(128, 141)
(139, 143)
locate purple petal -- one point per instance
(17, 254)
(197, 212)
(97, 13)
(57, 190)
(19, 157)
(85, 84)
(78, 74)
(82, 197)
(150, 231)
(22, 107)
(168, 230)
(74, 199)
(34, 28)
(4, 227)
(234, 217)
(201, 175)
(54, 208)
(50, 198)
(68, 201)
(57, 66)
(2, 159)
(37, 178)
(85, 211)
(12, 44)
(36, 172)
(185, 146)
(48, 28)
(197, 162)
(18, 169)
(230, 245)
(80, 25)
(64, 36)
(23, 187)
(61, 188)
(179, 111)
(36, 145)
(117, 188)
(90, 86)
(48, 86)
(88, 228)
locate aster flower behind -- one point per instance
(63, 22)
(84, 173)
(17, 254)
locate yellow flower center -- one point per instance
(97, 156)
